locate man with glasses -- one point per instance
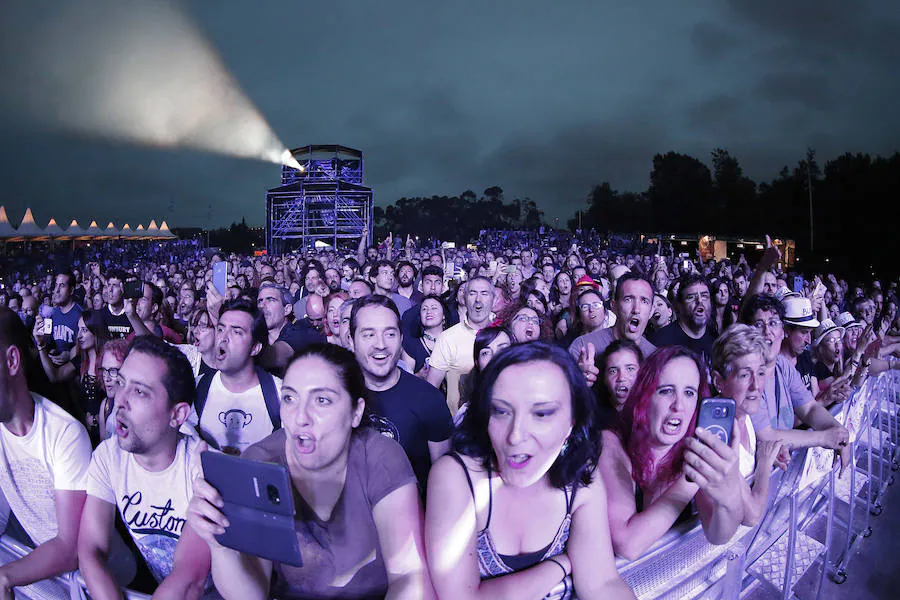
(785, 397)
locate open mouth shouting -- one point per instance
(123, 427)
(305, 443)
(518, 461)
(672, 426)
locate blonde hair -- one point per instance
(737, 341)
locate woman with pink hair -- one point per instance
(654, 467)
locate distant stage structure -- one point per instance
(324, 201)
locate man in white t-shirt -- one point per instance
(238, 405)
(44, 458)
(452, 355)
(146, 471)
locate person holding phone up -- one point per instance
(359, 520)
(654, 468)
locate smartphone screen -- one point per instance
(48, 326)
(220, 276)
(716, 415)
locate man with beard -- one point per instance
(333, 280)
(406, 279)
(383, 277)
(691, 328)
(432, 285)
(452, 354)
(784, 397)
(416, 413)
(632, 302)
(284, 338)
(146, 471)
(239, 404)
(44, 458)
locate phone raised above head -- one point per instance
(220, 277)
(716, 415)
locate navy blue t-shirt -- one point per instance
(298, 335)
(416, 413)
(65, 327)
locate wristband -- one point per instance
(559, 564)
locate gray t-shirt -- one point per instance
(345, 548)
(784, 392)
(602, 338)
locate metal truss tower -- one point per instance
(325, 201)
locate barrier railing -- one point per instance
(787, 541)
(775, 554)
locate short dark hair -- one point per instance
(406, 263)
(382, 263)
(432, 270)
(372, 300)
(630, 276)
(576, 465)
(179, 377)
(70, 277)
(761, 302)
(689, 280)
(352, 263)
(258, 329)
(14, 333)
(156, 295)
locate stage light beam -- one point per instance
(138, 72)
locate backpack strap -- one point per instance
(202, 393)
(270, 395)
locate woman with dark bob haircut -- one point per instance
(517, 510)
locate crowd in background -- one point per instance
(496, 420)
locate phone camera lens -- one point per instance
(274, 497)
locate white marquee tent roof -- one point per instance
(29, 230)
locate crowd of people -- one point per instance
(496, 421)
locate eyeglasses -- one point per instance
(590, 306)
(773, 323)
(111, 373)
(536, 321)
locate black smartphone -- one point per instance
(716, 415)
(259, 503)
(134, 289)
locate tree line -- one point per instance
(847, 201)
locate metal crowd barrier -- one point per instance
(775, 554)
(788, 541)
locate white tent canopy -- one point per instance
(6, 228)
(28, 228)
(53, 230)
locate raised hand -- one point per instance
(713, 465)
(586, 363)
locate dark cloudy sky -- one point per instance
(542, 98)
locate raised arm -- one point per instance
(398, 519)
(96, 529)
(633, 532)
(55, 556)
(771, 256)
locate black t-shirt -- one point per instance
(673, 335)
(806, 368)
(298, 335)
(417, 350)
(119, 326)
(418, 414)
(821, 371)
(205, 369)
